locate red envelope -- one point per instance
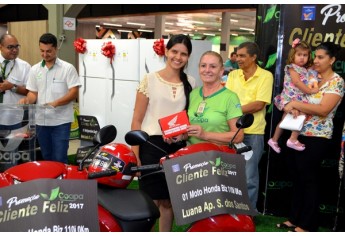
(174, 124)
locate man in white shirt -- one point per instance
(53, 85)
(14, 74)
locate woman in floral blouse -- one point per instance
(316, 135)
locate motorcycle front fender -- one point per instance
(107, 222)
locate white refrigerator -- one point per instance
(108, 90)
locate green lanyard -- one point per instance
(3, 69)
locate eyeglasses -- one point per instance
(11, 47)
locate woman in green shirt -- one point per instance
(213, 109)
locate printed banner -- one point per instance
(88, 127)
(82, 152)
(74, 132)
(313, 23)
(49, 205)
(205, 184)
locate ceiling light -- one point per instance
(144, 30)
(234, 34)
(97, 26)
(111, 24)
(248, 29)
(186, 29)
(185, 24)
(128, 31)
(169, 23)
(233, 20)
(170, 30)
(133, 23)
(181, 20)
(209, 34)
(196, 22)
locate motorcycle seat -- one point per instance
(127, 204)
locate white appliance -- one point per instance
(108, 90)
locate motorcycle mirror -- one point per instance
(245, 121)
(136, 137)
(105, 135)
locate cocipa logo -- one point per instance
(13, 157)
(9, 153)
(56, 194)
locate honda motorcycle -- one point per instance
(119, 209)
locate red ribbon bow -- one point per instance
(80, 45)
(108, 50)
(159, 47)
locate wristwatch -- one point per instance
(14, 88)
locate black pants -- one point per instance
(155, 184)
(304, 167)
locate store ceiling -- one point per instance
(188, 23)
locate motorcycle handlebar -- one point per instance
(146, 167)
(159, 166)
(101, 174)
(243, 149)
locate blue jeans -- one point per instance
(256, 141)
(54, 141)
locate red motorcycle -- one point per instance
(119, 209)
(218, 223)
(114, 166)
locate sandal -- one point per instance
(295, 145)
(285, 226)
(274, 145)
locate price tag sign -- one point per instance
(207, 183)
(49, 205)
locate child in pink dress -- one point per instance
(296, 82)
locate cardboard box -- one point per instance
(174, 124)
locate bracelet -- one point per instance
(14, 88)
